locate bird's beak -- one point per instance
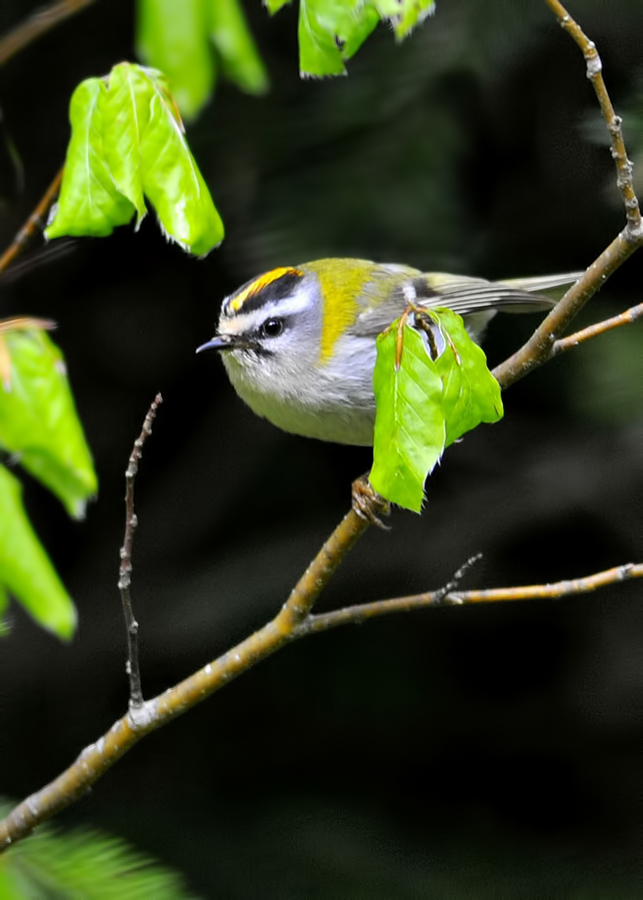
(220, 342)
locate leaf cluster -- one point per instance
(39, 428)
(331, 31)
(127, 144)
(431, 385)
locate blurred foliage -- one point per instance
(25, 569)
(83, 864)
(179, 38)
(175, 38)
(39, 427)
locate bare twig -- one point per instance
(355, 615)
(125, 568)
(541, 346)
(38, 24)
(35, 221)
(614, 123)
(592, 331)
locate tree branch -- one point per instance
(35, 221)
(592, 331)
(355, 615)
(37, 25)
(541, 346)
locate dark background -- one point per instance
(484, 752)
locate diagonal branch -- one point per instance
(35, 221)
(36, 25)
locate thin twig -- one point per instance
(35, 221)
(541, 346)
(592, 331)
(125, 568)
(36, 25)
(355, 615)
(624, 169)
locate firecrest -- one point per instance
(298, 342)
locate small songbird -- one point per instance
(298, 342)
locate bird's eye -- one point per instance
(272, 327)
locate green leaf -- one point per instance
(425, 403)
(232, 38)
(331, 31)
(410, 430)
(404, 15)
(170, 175)
(471, 393)
(39, 423)
(83, 864)
(89, 203)
(274, 6)
(173, 36)
(25, 569)
(126, 113)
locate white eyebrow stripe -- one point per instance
(289, 305)
(240, 322)
(284, 307)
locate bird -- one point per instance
(299, 342)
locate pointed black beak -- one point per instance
(220, 342)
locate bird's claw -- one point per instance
(368, 504)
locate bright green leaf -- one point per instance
(410, 430)
(404, 15)
(274, 6)
(25, 569)
(38, 420)
(171, 177)
(232, 38)
(125, 115)
(89, 203)
(173, 36)
(331, 31)
(471, 393)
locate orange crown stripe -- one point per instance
(259, 283)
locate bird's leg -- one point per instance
(368, 504)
